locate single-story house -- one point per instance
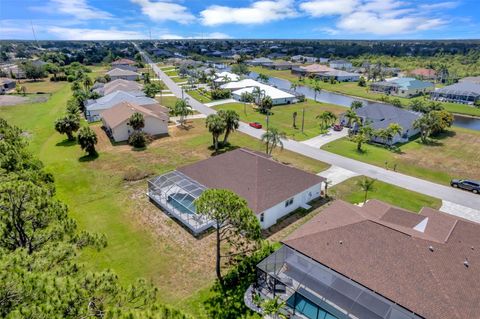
(248, 85)
(115, 119)
(280, 65)
(339, 75)
(271, 189)
(375, 262)
(340, 64)
(471, 79)
(93, 108)
(117, 73)
(6, 85)
(380, 115)
(132, 87)
(424, 74)
(463, 92)
(14, 71)
(225, 77)
(312, 69)
(259, 61)
(403, 87)
(303, 59)
(124, 64)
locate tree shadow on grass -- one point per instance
(222, 149)
(88, 158)
(66, 143)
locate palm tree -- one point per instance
(266, 104)
(351, 117)
(87, 140)
(294, 86)
(425, 125)
(76, 86)
(146, 78)
(258, 93)
(182, 108)
(273, 138)
(273, 307)
(87, 82)
(356, 105)
(366, 185)
(316, 89)
(216, 125)
(136, 121)
(392, 130)
(67, 125)
(263, 78)
(326, 118)
(232, 122)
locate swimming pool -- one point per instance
(182, 202)
(308, 308)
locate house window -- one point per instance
(288, 202)
(262, 217)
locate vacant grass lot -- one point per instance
(171, 72)
(352, 88)
(452, 155)
(282, 117)
(199, 96)
(168, 101)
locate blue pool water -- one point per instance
(182, 203)
(308, 308)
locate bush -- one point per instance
(71, 78)
(219, 94)
(138, 139)
(59, 78)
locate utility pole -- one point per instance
(268, 119)
(303, 118)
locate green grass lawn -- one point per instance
(452, 155)
(352, 88)
(179, 79)
(350, 191)
(282, 117)
(199, 96)
(171, 72)
(142, 241)
(168, 101)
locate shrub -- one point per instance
(71, 78)
(59, 78)
(219, 94)
(137, 139)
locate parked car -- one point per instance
(469, 185)
(338, 127)
(255, 125)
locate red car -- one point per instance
(255, 125)
(338, 127)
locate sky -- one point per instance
(239, 19)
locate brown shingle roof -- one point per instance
(123, 61)
(377, 247)
(316, 68)
(424, 72)
(259, 179)
(121, 112)
(121, 85)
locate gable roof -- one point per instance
(461, 88)
(316, 68)
(123, 62)
(254, 176)
(421, 267)
(116, 97)
(411, 83)
(121, 72)
(380, 115)
(122, 112)
(122, 85)
(424, 72)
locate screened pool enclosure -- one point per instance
(176, 194)
(311, 290)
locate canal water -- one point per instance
(346, 100)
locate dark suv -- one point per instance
(473, 186)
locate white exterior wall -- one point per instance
(274, 101)
(412, 92)
(153, 126)
(271, 215)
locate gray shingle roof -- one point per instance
(381, 115)
(116, 97)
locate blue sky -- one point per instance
(279, 19)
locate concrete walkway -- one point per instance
(335, 175)
(461, 211)
(330, 136)
(220, 102)
(190, 117)
(408, 182)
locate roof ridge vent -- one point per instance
(431, 248)
(465, 263)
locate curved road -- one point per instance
(409, 182)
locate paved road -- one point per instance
(412, 183)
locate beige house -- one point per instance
(115, 120)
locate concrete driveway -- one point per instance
(330, 136)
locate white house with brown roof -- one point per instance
(118, 73)
(271, 189)
(115, 120)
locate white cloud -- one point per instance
(376, 17)
(319, 8)
(258, 12)
(79, 9)
(94, 34)
(440, 5)
(165, 11)
(213, 35)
